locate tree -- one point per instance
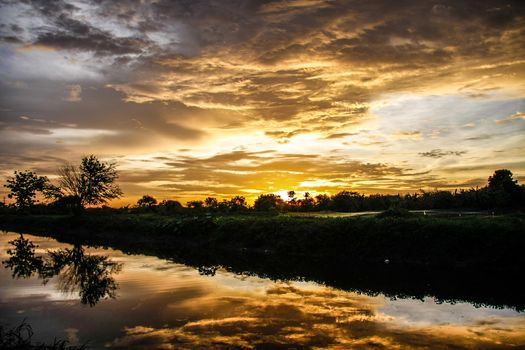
(169, 207)
(237, 203)
(504, 189)
(292, 202)
(322, 202)
(502, 179)
(197, 205)
(307, 203)
(268, 202)
(91, 183)
(146, 201)
(211, 203)
(347, 201)
(25, 185)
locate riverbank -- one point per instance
(495, 242)
(474, 259)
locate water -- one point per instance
(117, 300)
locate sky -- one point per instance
(223, 98)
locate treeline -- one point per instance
(92, 183)
(502, 191)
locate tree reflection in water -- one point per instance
(90, 275)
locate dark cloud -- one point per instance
(99, 42)
(51, 8)
(184, 37)
(71, 34)
(438, 153)
(340, 135)
(99, 108)
(10, 39)
(480, 137)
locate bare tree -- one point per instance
(91, 183)
(69, 180)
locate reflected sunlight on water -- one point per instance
(161, 304)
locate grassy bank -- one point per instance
(474, 259)
(460, 242)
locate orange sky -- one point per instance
(211, 98)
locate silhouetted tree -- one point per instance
(268, 202)
(169, 207)
(211, 203)
(502, 179)
(223, 206)
(322, 202)
(146, 201)
(347, 201)
(503, 189)
(195, 204)
(307, 203)
(292, 202)
(25, 185)
(237, 204)
(91, 183)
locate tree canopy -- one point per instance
(146, 201)
(91, 183)
(25, 185)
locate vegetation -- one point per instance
(90, 275)
(20, 338)
(93, 183)
(471, 258)
(501, 192)
(24, 187)
(492, 285)
(495, 242)
(146, 201)
(398, 234)
(269, 202)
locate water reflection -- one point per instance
(89, 275)
(302, 316)
(167, 305)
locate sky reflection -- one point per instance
(160, 304)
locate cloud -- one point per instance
(511, 118)
(303, 317)
(92, 40)
(340, 135)
(480, 137)
(438, 153)
(292, 75)
(274, 65)
(408, 135)
(230, 173)
(74, 93)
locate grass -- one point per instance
(406, 238)
(20, 338)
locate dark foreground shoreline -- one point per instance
(475, 259)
